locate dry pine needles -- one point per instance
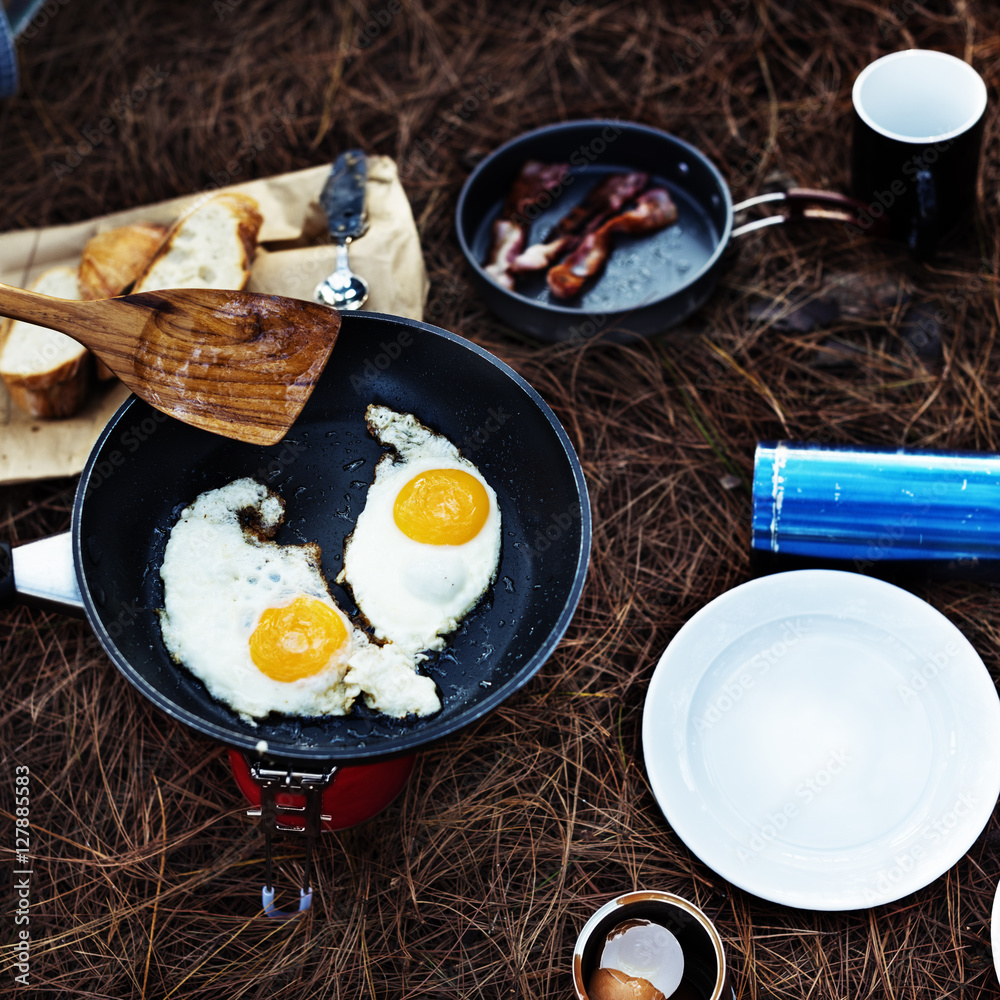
(475, 882)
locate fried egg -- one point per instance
(255, 621)
(427, 543)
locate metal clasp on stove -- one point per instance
(309, 785)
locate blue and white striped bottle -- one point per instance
(876, 510)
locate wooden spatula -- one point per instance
(239, 364)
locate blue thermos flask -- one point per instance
(891, 512)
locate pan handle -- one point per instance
(797, 204)
(8, 592)
(41, 573)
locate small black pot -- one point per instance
(651, 283)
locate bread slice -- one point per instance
(212, 246)
(46, 373)
(112, 260)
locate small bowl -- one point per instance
(651, 282)
(706, 973)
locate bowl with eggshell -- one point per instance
(608, 230)
(650, 945)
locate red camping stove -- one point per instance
(289, 801)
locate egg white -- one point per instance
(415, 594)
(220, 573)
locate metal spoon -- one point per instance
(343, 199)
(343, 289)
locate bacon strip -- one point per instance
(508, 240)
(602, 201)
(535, 180)
(533, 183)
(540, 255)
(653, 211)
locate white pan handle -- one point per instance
(43, 574)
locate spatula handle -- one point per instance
(64, 315)
(101, 325)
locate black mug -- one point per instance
(918, 129)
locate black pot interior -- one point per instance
(147, 467)
(642, 269)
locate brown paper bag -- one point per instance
(294, 255)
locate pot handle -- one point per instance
(799, 204)
(41, 573)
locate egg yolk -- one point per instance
(442, 507)
(298, 640)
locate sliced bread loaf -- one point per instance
(212, 246)
(112, 260)
(46, 373)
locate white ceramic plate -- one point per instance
(823, 739)
(995, 931)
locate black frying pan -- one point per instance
(651, 282)
(146, 467)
